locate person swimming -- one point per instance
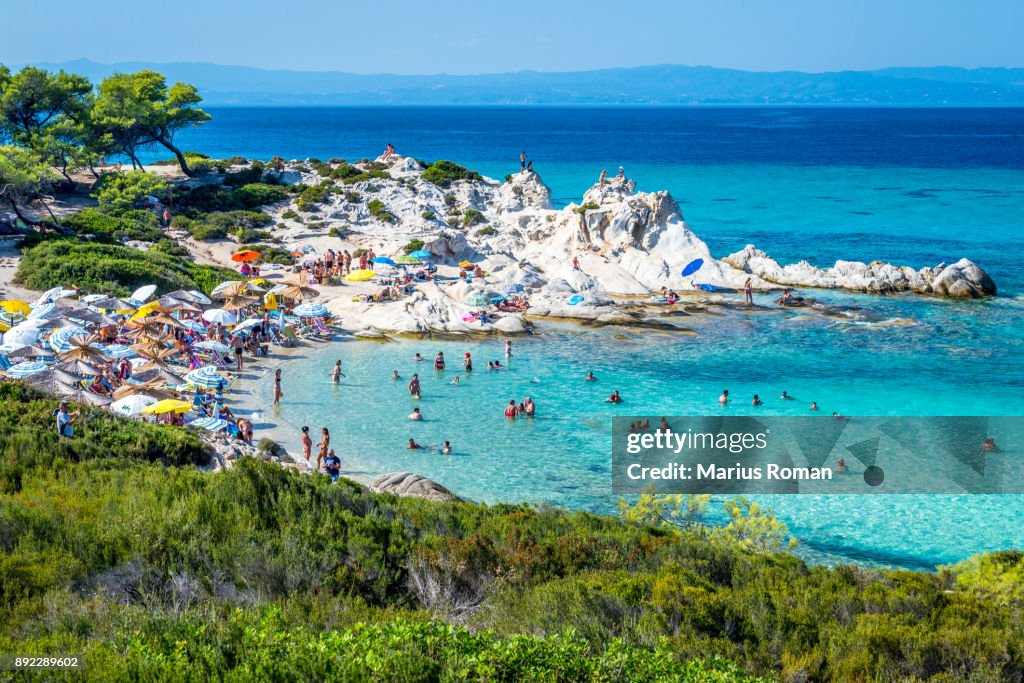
(510, 410)
(665, 427)
(616, 397)
(724, 398)
(414, 386)
(837, 416)
(814, 405)
(841, 465)
(590, 377)
(395, 375)
(757, 401)
(447, 448)
(417, 357)
(416, 414)
(498, 365)
(456, 380)
(490, 365)
(413, 446)
(990, 445)
(786, 397)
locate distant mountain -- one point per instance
(647, 85)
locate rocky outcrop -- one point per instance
(963, 279)
(409, 485)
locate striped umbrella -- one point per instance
(26, 368)
(206, 377)
(214, 424)
(210, 345)
(60, 341)
(41, 310)
(311, 311)
(194, 325)
(118, 351)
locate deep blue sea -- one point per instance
(913, 186)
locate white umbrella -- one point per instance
(246, 324)
(132, 405)
(26, 368)
(193, 325)
(144, 292)
(92, 298)
(21, 335)
(210, 345)
(219, 315)
(206, 377)
(39, 310)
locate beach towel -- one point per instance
(575, 299)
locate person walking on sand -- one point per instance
(307, 444)
(324, 446)
(748, 291)
(522, 161)
(278, 394)
(238, 344)
(336, 373)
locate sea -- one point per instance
(915, 186)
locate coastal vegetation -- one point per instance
(257, 572)
(443, 173)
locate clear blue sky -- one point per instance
(482, 36)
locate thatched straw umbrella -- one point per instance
(155, 351)
(82, 349)
(153, 388)
(158, 372)
(298, 292)
(79, 367)
(53, 382)
(238, 301)
(88, 398)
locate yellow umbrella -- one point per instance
(151, 307)
(168, 405)
(464, 264)
(258, 281)
(360, 275)
(15, 306)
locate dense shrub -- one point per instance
(472, 217)
(311, 196)
(412, 246)
(128, 190)
(111, 268)
(379, 211)
(443, 173)
(258, 194)
(116, 226)
(253, 174)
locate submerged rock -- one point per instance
(410, 485)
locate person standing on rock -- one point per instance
(748, 292)
(529, 166)
(603, 178)
(522, 161)
(576, 263)
(622, 174)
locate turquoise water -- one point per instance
(912, 186)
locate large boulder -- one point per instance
(410, 485)
(963, 280)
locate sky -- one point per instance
(488, 36)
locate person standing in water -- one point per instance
(324, 445)
(278, 394)
(468, 362)
(510, 410)
(439, 361)
(508, 348)
(414, 386)
(530, 408)
(307, 444)
(447, 448)
(336, 373)
(724, 398)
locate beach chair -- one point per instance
(289, 333)
(321, 327)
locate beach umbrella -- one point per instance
(465, 264)
(158, 374)
(213, 424)
(87, 397)
(360, 275)
(298, 292)
(421, 253)
(164, 319)
(311, 311)
(514, 288)
(384, 259)
(88, 315)
(692, 267)
(234, 287)
(211, 345)
(79, 368)
(246, 324)
(147, 309)
(92, 298)
(41, 310)
(82, 349)
(118, 351)
(238, 301)
(60, 341)
(15, 306)
(111, 303)
(168, 405)
(193, 325)
(477, 300)
(245, 256)
(29, 352)
(143, 292)
(25, 368)
(23, 334)
(132, 405)
(219, 315)
(206, 377)
(149, 332)
(154, 351)
(53, 382)
(199, 297)
(407, 261)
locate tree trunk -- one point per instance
(182, 163)
(17, 212)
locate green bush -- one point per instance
(443, 173)
(258, 194)
(111, 269)
(128, 190)
(289, 214)
(427, 215)
(253, 174)
(415, 245)
(379, 211)
(116, 226)
(273, 254)
(472, 217)
(583, 208)
(311, 196)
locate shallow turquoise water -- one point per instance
(563, 456)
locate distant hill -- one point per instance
(647, 85)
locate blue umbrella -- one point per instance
(60, 341)
(214, 424)
(205, 377)
(193, 325)
(384, 259)
(693, 266)
(421, 253)
(118, 351)
(514, 288)
(311, 311)
(41, 310)
(26, 368)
